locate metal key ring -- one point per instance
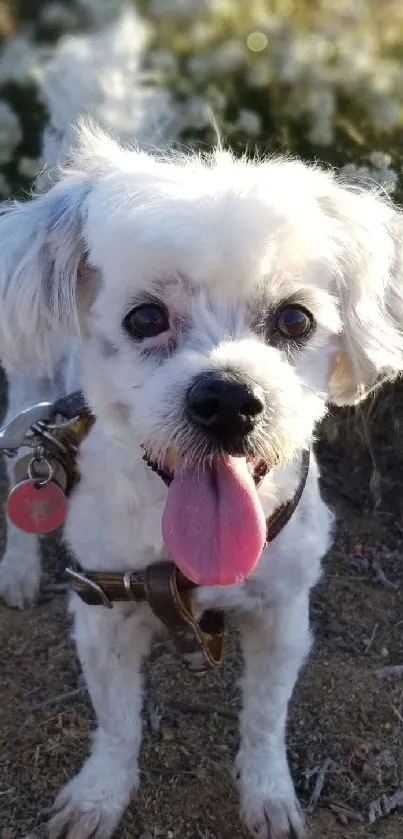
(39, 481)
(41, 430)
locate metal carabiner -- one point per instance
(16, 432)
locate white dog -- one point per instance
(216, 306)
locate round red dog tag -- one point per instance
(37, 509)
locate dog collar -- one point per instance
(169, 593)
(162, 585)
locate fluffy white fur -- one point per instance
(223, 243)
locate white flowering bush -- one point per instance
(318, 78)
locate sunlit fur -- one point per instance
(223, 244)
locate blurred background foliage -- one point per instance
(322, 79)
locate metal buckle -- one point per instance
(81, 578)
(126, 582)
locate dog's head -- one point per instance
(221, 304)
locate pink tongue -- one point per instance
(213, 523)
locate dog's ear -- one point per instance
(41, 251)
(368, 244)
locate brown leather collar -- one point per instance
(162, 585)
(168, 593)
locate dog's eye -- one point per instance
(294, 322)
(147, 320)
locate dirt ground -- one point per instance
(346, 723)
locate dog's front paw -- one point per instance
(19, 580)
(273, 818)
(269, 806)
(89, 806)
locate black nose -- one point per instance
(224, 404)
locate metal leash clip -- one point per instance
(44, 478)
(20, 430)
(32, 426)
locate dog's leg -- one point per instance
(275, 643)
(111, 645)
(20, 568)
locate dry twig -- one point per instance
(380, 575)
(320, 782)
(54, 700)
(384, 805)
(393, 671)
(153, 713)
(371, 639)
(345, 814)
(185, 708)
